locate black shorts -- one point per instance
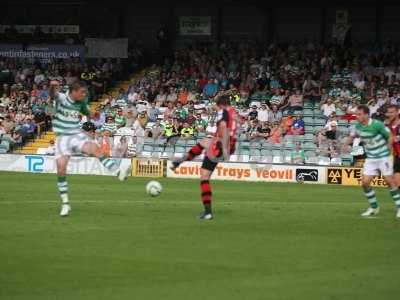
(211, 164)
(396, 164)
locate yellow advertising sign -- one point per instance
(350, 176)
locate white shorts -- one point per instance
(67, 145)
(378, 166)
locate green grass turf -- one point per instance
(268, 241)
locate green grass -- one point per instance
(268, 241)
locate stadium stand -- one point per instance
(295, 102)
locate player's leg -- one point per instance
(373, 208)
(386, 169)
(394, 192)
(111, 164)
(196, 150)
(62, 184)
(396, 170)
(371, 169)
(206, 171)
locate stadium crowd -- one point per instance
(25, 107)
(273, 87)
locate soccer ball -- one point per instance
(153, 188)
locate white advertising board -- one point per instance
(253, 172)
(47, 164)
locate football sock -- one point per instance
(206, 195)
(109, 163)
(194, 151)
(396, 197)
(62, 185)
(371, 197)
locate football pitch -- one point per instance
(267, 241)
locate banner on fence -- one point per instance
(107, 48)
(47, 164)
(45, 52)
(60, 29)
(350, 176)
(253, 172)
(191, 25)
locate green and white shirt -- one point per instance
(120, 120)
(375, 138)
(66, 120)
(111, 127)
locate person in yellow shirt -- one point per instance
(187, 131)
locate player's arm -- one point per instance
(387, 135)
(224, 138)
(384, 131)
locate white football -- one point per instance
(153, 188)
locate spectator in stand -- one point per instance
(298, 156)
(277, 99)
(328, 108)
(109, 125)
(130, 118)
(210, 89)
(329, 134)
(351, 110)
(142, 118)
(253, 113)
(153, 112)
(169, 111)
(295, 102)
(161, 98)
(120, 119)
(28, 128)
(373, 106)
(263, 130)
(187, 131)
(191, 119)
(275, 115)
(276, 133)
(298, 126)
(106, 142)
(263, 113)
(157, 131)
(172, 97)
(183, 96)
(200, 124)
(98, 118)
(332, 119)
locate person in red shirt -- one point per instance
(393, 123)
(217, 148)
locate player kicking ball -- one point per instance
(218, 148)
(72, 140)
(377, 144)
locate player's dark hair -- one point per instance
(364, 109)
(394, 106)
(77, 85)
(223, 100)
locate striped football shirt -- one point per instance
(66, 120)
(375, 138)
(112, 127)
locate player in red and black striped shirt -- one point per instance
(217, 148)
(393, 123)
